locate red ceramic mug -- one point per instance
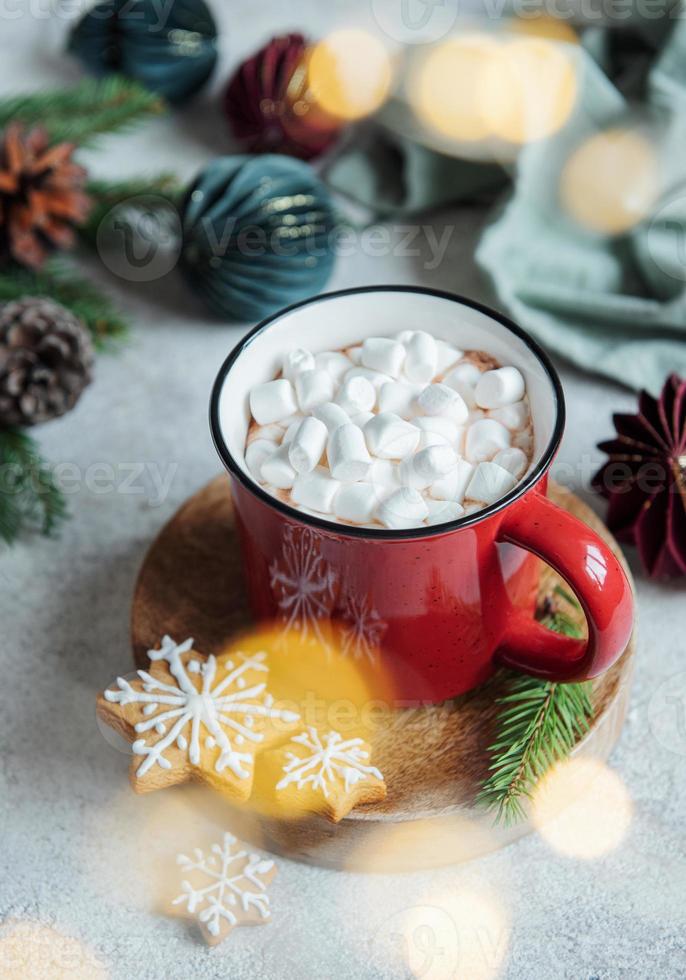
(437, 607)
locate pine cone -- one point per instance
(41, 196)
(46, 358)
(645, 480)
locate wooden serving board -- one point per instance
(433, 758)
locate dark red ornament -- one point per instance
(644, 479)
(270, 107)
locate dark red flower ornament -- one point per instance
(270, 107)
(644, 480)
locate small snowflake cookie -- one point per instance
(226, 888)
(195, 717)
(323, 772)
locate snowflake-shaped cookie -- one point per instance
(193, 716)
(323, 772)
(225, 889)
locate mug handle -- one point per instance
(586, 563)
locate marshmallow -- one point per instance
(464, 373)
(257, 452)
(439, 399)
(361, 420)
(399, 397)
(334, 362)
(390, 437)
(331, 414)
(450, 430)
(277, 469)
(409, 476)
(427, 439)
(377, 378)
(435, 461)
(472, 508)
(442, 511)
(356, 502)
(404, 336)
(514, 460)
(272, 433)
(384, 474)
(501, 387)
(404, 508)
(383, 354)
(272, 401)
(296, 361)
(308, 445)
(355, 354)
(356, 395)
(421, 357)
(290, 432)
(315, 490)
(490, 482)
(446, 356)
(514, 417)
(453, 485)
(313, 388)
(484, 439)
(349, 459)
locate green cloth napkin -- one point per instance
(611, 305)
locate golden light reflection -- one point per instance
(582, 808)
(476, 86)
(552, 28)
(611, 182)
(34, 951)
(446, 91)
(530, 90)
(460, 932)
(349, 73)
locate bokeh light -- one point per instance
(34, 951)
(446, 91)
(350, 73)
(581, 808)
(529, 90)
(611, 182)
(475, 87)
(543, 25)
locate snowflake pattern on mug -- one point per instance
(303, 584)
(361, 629)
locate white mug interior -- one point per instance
(333, 321)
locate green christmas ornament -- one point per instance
(257, 235)
(170, 49)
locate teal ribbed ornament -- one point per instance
(257, 235)
(170, 48)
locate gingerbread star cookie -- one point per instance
(225, 889)
(320, 771)
(195, 717)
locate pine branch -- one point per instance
(105, 322)
(106, 195)
(30, 500)
(84, 112)
(539, 724)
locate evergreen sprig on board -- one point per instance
(538, 725)
(84, 112)
(30, 500)
(60, 283)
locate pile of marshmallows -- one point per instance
(370, 437)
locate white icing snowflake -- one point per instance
(330, 760)
(226, 710)
(303, 584)
(362, 628)
(229, 883)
